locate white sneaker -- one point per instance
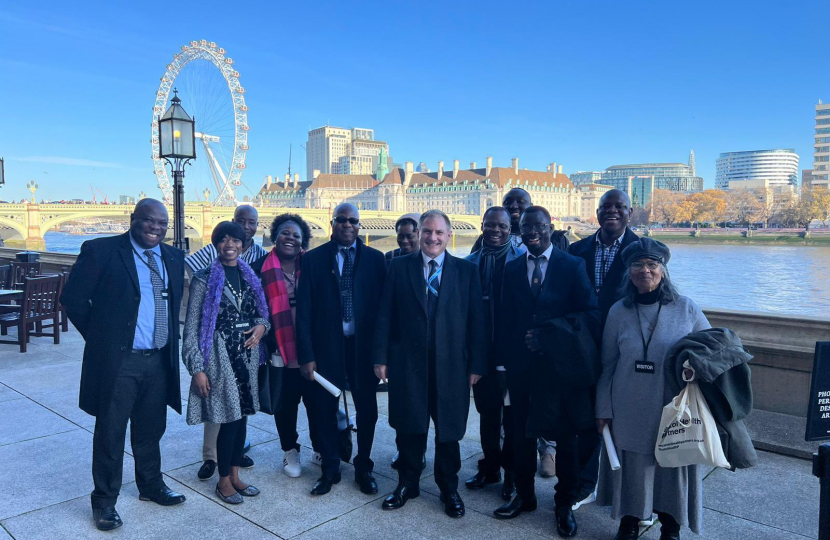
(291, 463)
(648, 522)
(547, 465)
(587, 500)
(317, 459)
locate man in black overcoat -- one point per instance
(430, 341)
(123, 295)
(601, 253)
(545, 284)
(337, 302)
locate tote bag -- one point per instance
(688, 432)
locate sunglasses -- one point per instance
(344, 219)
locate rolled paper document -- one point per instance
(610, 449)
(507, 398)
(333, 390)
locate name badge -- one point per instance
(644, 367)
(164, 295)
(242, 326)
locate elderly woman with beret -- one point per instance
(651, 317)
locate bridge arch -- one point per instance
(7, 224)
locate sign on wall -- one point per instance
(818, 413)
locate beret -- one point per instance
(646, 248)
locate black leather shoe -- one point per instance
(508, 489)
(565, 522)
(247, 462)
(398, 498)
(164, 496)
(629, 529)
(367, 482)
(515, 507)
(453, 505)
(669, 535)
(106, 519)
(206, 470)
(324, 484)
(481, 479)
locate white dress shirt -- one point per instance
(543, 264)
(348, 327)
(439, 260)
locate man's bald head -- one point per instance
(344, 208)
(148, 223)
(613, 213)
(345, 224)
(248, 218)
(616, 193)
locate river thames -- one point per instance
(792, 280)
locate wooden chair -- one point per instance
(39, 304)
(5, 272)
(20, 270)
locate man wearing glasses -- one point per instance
(544, 285)
(337, 302)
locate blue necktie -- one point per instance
(347, 284)
(432, 302)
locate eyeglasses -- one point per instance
(651, 265)
(539, 228)
(344, 219)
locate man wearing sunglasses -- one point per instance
(337, 302)
(540, 287)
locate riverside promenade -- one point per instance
(46, 452)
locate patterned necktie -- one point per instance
(160, 334)
(536, 278)
(432, 302)
(347, 284)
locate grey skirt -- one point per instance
(641, 487)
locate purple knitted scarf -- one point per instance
(213, 297)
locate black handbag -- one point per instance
(345, 445)
(270, 387)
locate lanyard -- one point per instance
(640, 326)
(162, 276)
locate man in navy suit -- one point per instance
(123, 295)
(543, 285)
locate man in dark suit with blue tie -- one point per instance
(544, 285)
(337, 301)
(123, 295)
(430, 342)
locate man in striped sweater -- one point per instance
(248, 217)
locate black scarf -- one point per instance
(491, 270)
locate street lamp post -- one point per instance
(177, 146)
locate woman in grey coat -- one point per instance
(226, 319)
(640, 330)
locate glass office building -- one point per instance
(671, 176)
(779, 166)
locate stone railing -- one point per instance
(783, 346)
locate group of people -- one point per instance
(504, 322)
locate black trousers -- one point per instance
(324, 417)
(589, 450)
(568, 454)
(294, 389)
(230, 444)
(412, 446)
(140, 397)
(489, 400)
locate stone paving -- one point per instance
(46, 449)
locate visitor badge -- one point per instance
(242, 325)
(642, 366)
(164, 295)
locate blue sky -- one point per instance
(586, 84)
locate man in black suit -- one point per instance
(601, 253)
(430, 341)
(337, 302)
(545, 284)
(123, 295)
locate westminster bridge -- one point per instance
(24, 225)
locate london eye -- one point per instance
(209, 87)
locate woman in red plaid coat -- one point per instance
(279, 272)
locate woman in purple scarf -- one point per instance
(226, 319)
